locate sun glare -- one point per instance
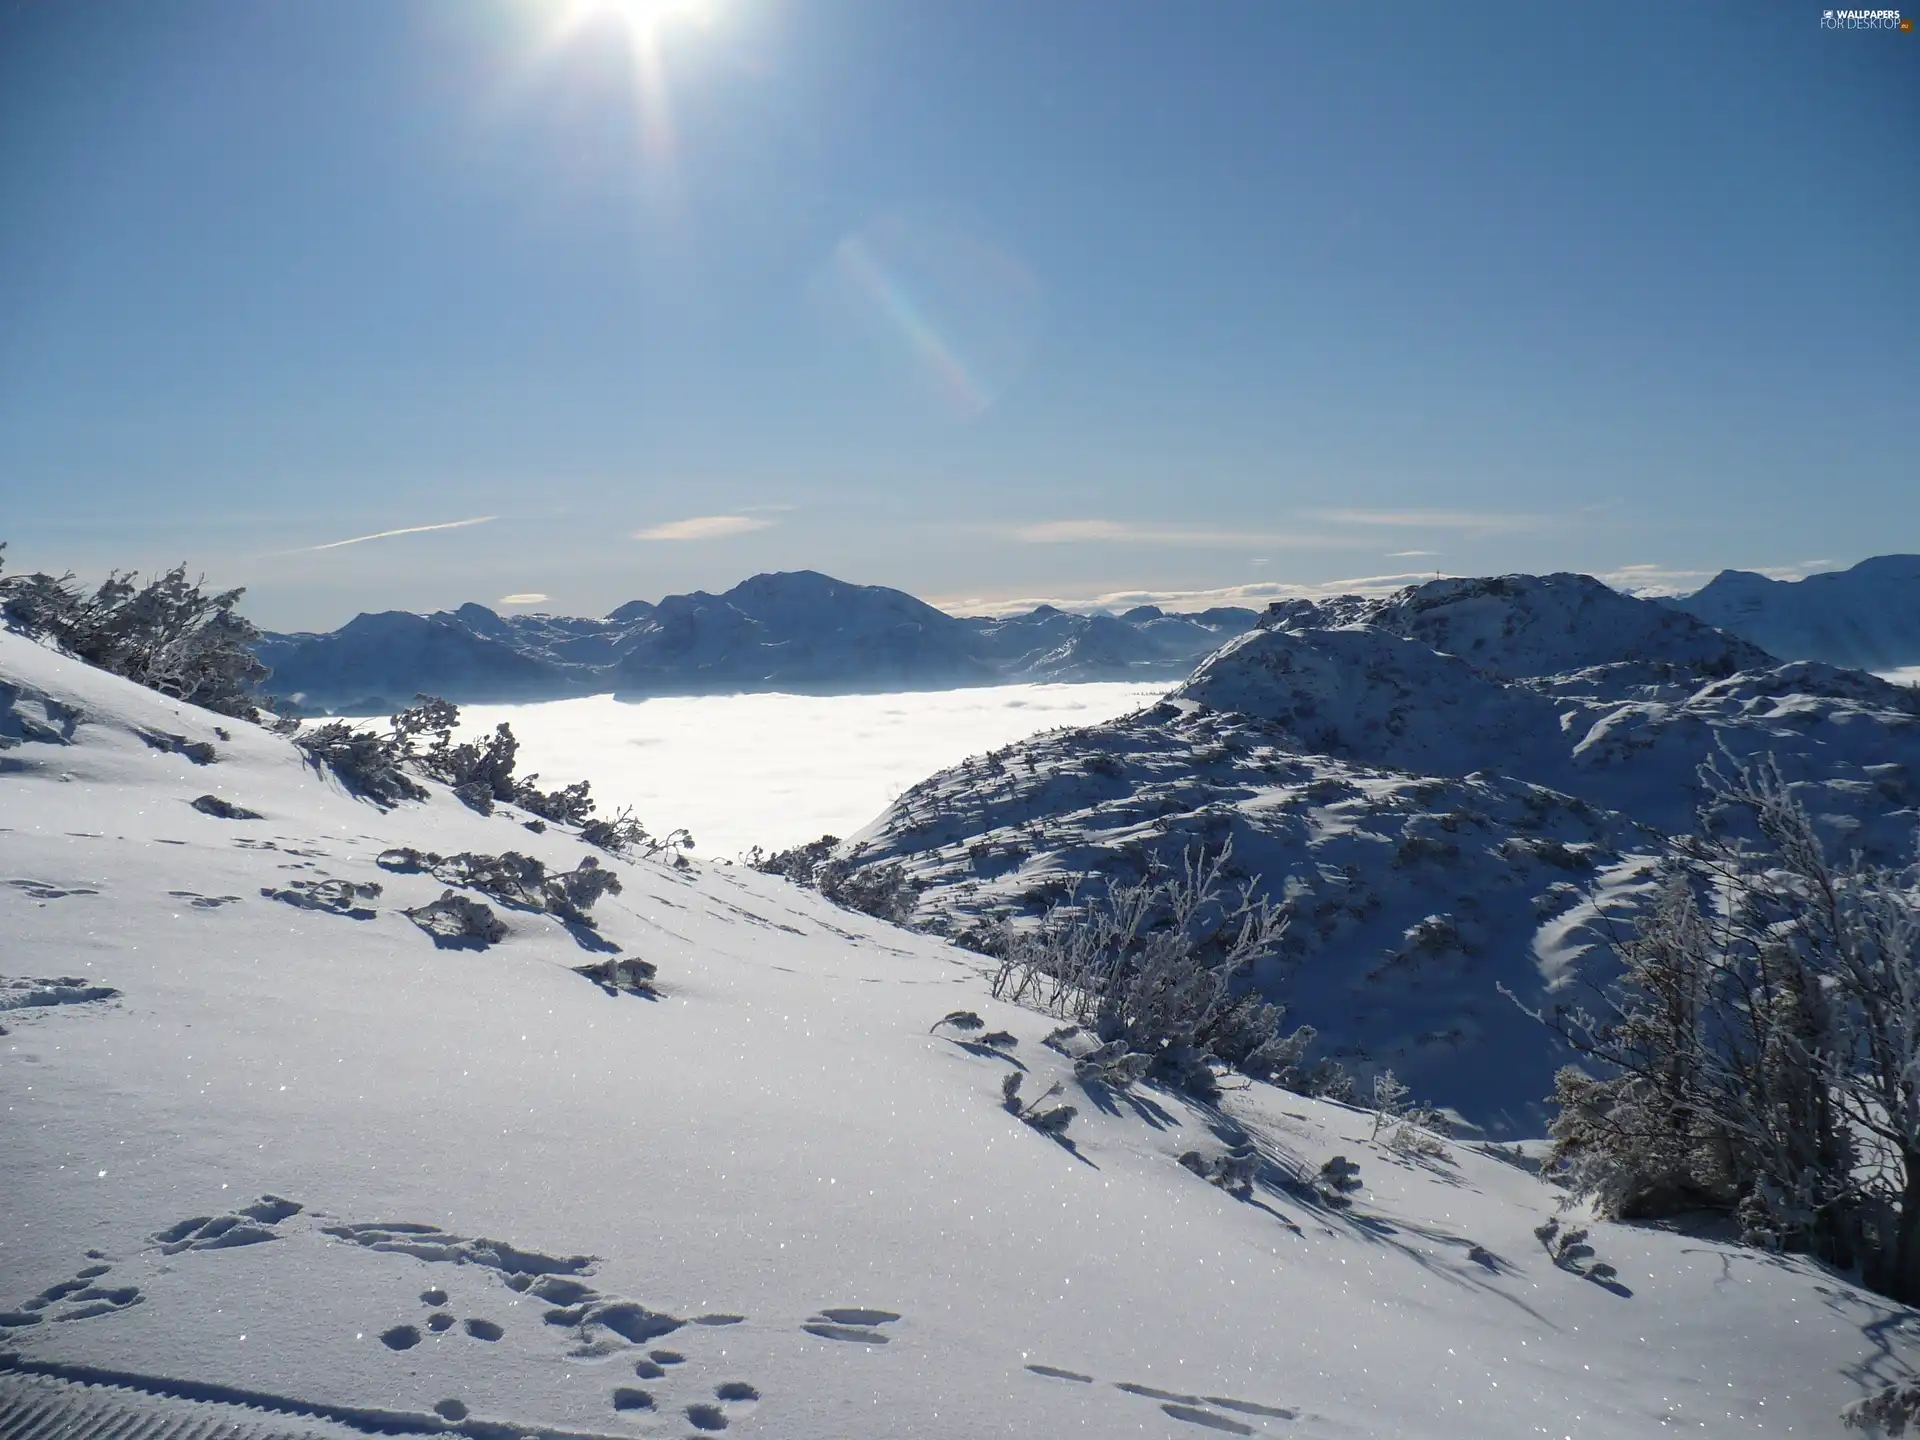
(642, 28)
(641, 19)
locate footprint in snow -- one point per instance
(1206, 1419)
(1188, 1409)
(251, 1225)
(204, 902)
(83, 1298)
(852, 1323)
(44, 892)
(1054, 1372)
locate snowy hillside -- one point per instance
(801, 632)
(1436, 826)
(282, 1162)
(1867, 616)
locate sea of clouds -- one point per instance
(779, 770)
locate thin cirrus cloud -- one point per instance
(1480, 521)
(405, 530)
(1121, 532)
(1647, 579)
(704, 527)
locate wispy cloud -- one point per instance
(1481, 521)
(531, 597)
(1410, 554)
(403, 530)
(1648, 579)
(1124, 532)
(704, 527)
(1255, 594)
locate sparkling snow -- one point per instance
(770, 1200)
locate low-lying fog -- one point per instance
(778, 770)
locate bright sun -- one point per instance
(640, 18)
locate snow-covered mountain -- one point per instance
(798, 631)
(281, 1162)
(1867, 617)
(1438, 822)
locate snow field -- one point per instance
(768, 1201)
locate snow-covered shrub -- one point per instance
(620, 834)
(222, 809)
(1337, 1181)
(1232, 1171)
(1113, 1065)
(1412, 1129)
(453, 919)
(169, 634)
(519, 880)
(886, 892)
(571, 893)
(797, 864)
(1888, 1412)
(1156, 964)
(1759, 1051)
(366, 762)
(1048, 1119)
(622, 974)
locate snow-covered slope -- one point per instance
(798, 631)
(1435, 828)
(314, 1162)
(1867, 616)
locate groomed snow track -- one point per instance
(41, 1401)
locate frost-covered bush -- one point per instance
(522, 881)
(1047, 1119)
(169, 634)
(1412, 1129)
(1232, 1172)
(453, 919)
(886, 891)
(1889, 1412)
(1759, 1050)
(1157, 964)
(1337, 1181)
(223, 809)
(622, 974)
(366, 762)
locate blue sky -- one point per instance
(986, 300)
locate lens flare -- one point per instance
(939, 300)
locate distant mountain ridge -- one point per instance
(797, 630)
(1866, 617)
(1449, 790)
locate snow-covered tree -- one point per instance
(1760, 1049)
(169, 634)
(1157, 964)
